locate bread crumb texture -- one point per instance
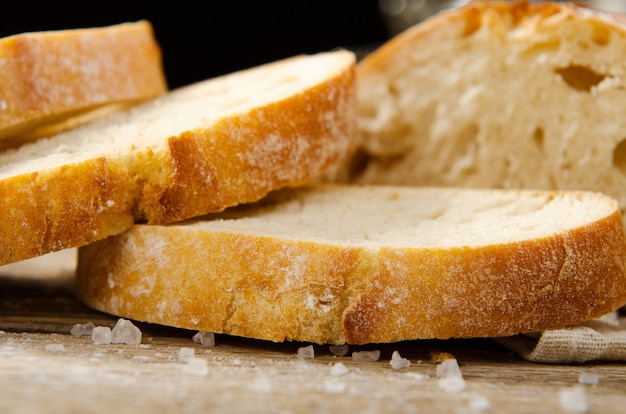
(498, 95)
(351, 264)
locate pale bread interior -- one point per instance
(477, 98)
(389, 216)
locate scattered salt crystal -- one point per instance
(55, 348)
(186, 354)
(449, 368)
(101, 335)
(124, 332)
(573, 399)
(338, 370)
(82, 329)
(366, 356)
(334, 387)
(451, 384)
(450, 376)
(397, 362)
(197, 367)
(339, 350)
(589, 378)
(306, 352)
(204, 338)
(144, 358)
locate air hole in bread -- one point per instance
(464, 150)
(538, 137)
(619, 156)
(580, 77)
(393, 90)
(358, 163)
(472, 22)
(385, 163)
(601, 35)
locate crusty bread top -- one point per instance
(498, 95)
(49, 76)
(334, 264)
(198, 149)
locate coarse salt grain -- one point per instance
(124, 332)
(339, 350)
(82, 329)
(55, 348)
(450, 376)
(573, 399)
(589, 378)
(338, 370)
(366, 356)
(397, 362)
(101, 335)
(449, 368)
(186, 354)
(204, 338)
(306, 352)
(451, 384)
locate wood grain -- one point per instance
(249, 376)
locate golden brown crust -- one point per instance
(209, 174)
(494, 291)
(66, 207)
(48, 77)
(202, 170)
(281, 289)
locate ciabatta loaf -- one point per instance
(335, 264)
(198, 149)
(498, 95)
(52, 79)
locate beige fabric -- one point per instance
(602, 339)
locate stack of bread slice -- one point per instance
(238, 205)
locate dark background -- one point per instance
(207, 38)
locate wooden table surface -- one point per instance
(44, 369)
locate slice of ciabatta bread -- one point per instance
(498, 95)
(53, 78)
(366, 264)
(194, 150)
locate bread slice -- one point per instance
(53, 78)
(194, 150)
(366, 264)
(498, 95)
